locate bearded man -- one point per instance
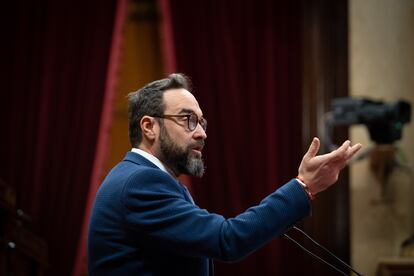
(144, 221)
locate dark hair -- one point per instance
(149, 101)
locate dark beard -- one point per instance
(181, 161)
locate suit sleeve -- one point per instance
(160, 217)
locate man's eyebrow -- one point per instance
(186, 111)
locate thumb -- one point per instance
(313, 148)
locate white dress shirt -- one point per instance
(150, 158)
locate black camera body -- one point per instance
(384, 121)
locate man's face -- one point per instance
(180, 148)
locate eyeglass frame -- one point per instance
(200, 121)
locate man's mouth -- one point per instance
(198, 149)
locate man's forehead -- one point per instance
(180, 100)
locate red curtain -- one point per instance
(55, 58)
(245, 60)
(80, 265)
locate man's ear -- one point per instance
(149, 127)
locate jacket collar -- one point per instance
(139, 159)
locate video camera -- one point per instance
(384, 121)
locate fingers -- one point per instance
(344, 147)
(313, 148)
(340, 155)
(340, 152)
(353, 150)
(342, 161)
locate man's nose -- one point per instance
(200, 133)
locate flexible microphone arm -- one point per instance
(316, 256)
(313, 254)
(326, 250)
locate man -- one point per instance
(144, 222)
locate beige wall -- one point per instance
(381, 52)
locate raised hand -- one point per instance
(319, 172)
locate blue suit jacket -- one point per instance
(144, 223)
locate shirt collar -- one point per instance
(151, 158)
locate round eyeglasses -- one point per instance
(192, 120)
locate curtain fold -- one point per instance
(97, 175)
(245, 59)
(56, 58)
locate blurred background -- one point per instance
(266, 74)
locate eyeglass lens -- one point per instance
(193, 121)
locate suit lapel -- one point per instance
(187, 193)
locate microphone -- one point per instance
(318, 257)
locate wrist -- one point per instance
(305, 187)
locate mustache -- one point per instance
(197, 144)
